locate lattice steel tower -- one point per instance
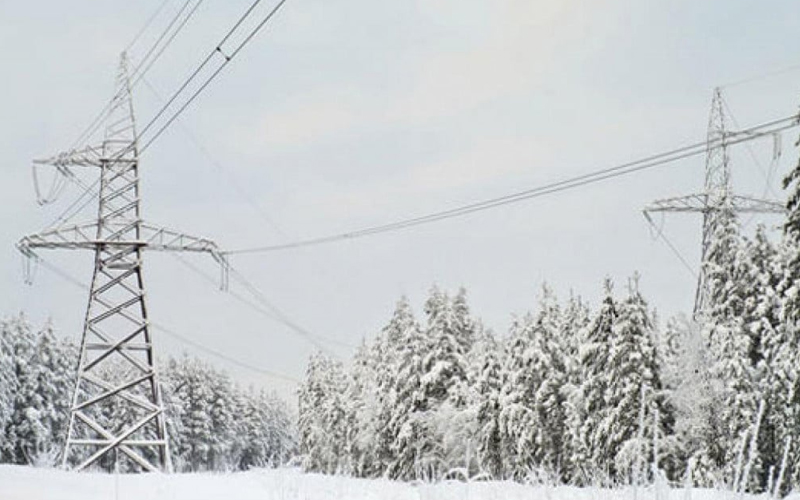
(717, 197)
(117, 415)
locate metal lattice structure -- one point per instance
(717, 196)
(117, 415)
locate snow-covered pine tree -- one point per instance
(224, 450)
(432, 366)
(41, 380)
(692, 399)
(576, 319)
(362, 408)
(517, 399)
(189, 387)
(393, 348)
(789, 291)
(791, 278)
(321, 418)
(534, 401)
(441, 370)
(771, 352)
(8, 386)
(634, 390)
(729, 342)
(214, 425)
(22, 349)
(54, 373)
(549, 364)
(486, 382)
(265, 431)
(455, 419)
(407, 412)
(589, 447)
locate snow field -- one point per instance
(28, 483)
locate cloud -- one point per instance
(494, 52)
(486, 168)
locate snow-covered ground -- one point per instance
(27, 483)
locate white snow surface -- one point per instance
(28, 483)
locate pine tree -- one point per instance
(573, 330)
(634, 389)
(8, 386)
(362, 409)
(222, 408)
(691, 397)
(39, 374)
(535, 411)
(190, 388)
(517, 399)
(589, 445)
(729, 342)
(486, 380)
(265, 437)
(321, 418)
(406, 423)
(549, 363)
(394, 347)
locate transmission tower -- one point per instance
(717, 198)
(117, 414)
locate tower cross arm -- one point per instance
(73, 236)
(87, 156)
(702, 203)
(84, 236)
(688, 203)
(756, 205)
(164, 239)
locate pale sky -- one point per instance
(353, 113)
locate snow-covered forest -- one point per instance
(581, 392)
(213, 423)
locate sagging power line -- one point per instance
(699, 148)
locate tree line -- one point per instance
(575, 394)
(212, 423)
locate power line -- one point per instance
(225, 357)
(98, 121)
(264, 307)
(259, 296)
(659, 233)
(174, 34)
(766, 174)
(217, 51)
(100, 117)
(183, 338)
(76, 206)
(762, 76)
(649, 162)
(146, 25)
(244, 193)
(95, 124)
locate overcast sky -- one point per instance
(353, 113)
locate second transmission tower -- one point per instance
(717, 199)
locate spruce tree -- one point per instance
(486, 380)
(392, 349)
(550, 365)
(517, 400)
(729, 342)
(634, 390)
(321, 418)
(590, 447)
